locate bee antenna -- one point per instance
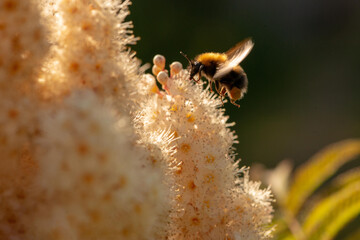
(186, 57)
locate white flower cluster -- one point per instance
(71, 165)
(22, 47)
(209, 200)
(91, 175)
(91, 148)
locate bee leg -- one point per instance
(221, 98)
(199, 73)
(197, 81)
(221, 92)
(233, 102)
(217, 87)
(199, 77)
(211, 83)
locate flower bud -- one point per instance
(156, 70)
(175, 68)
(162, 77)
(159, 60)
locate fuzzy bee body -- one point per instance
(211, 62)
(223, 70)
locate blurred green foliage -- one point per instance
(304, 212)
(304, 86)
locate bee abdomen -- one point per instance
(235, 79)
(241, 81)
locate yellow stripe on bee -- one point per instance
(211, 58)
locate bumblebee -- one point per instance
(223, 70)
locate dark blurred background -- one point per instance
(304, 71)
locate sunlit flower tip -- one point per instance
(162, 77)
(159, 60)
(151, 86)
(175, 68)
(156, 70)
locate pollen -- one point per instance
(107, 197)
(125, 232)
(179, 170)
(153, 160)
(154, 89)
(209, 178)
(88, 178)
(223, 220)
(15, 67)
(74, 67)
(94, 215)
(13, 113)
(73, 10)
(155, 115)
(122, 182)
(137, 208)
(102, 157)
(239, 210)
(195, 221)
(2, 26)
(86, 26)
(115, 89)
(64, 166)
(98, 67)
(10, 5)
(174, 108)
(227, 237)
(15, 44)
(191, 185)
(185, 147)
(3, 140)
(178, 198)
(190, 117)
(56, 234)
(82, 148)
(210, 158)
(176, 134)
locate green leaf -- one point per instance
(345, 178)
(339, 182)
(332, 213)
(320, 167)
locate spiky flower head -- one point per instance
(71, 164)
(212, 198)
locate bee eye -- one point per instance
(194, 69)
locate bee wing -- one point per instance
(235, 56)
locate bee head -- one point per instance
(194, 66)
